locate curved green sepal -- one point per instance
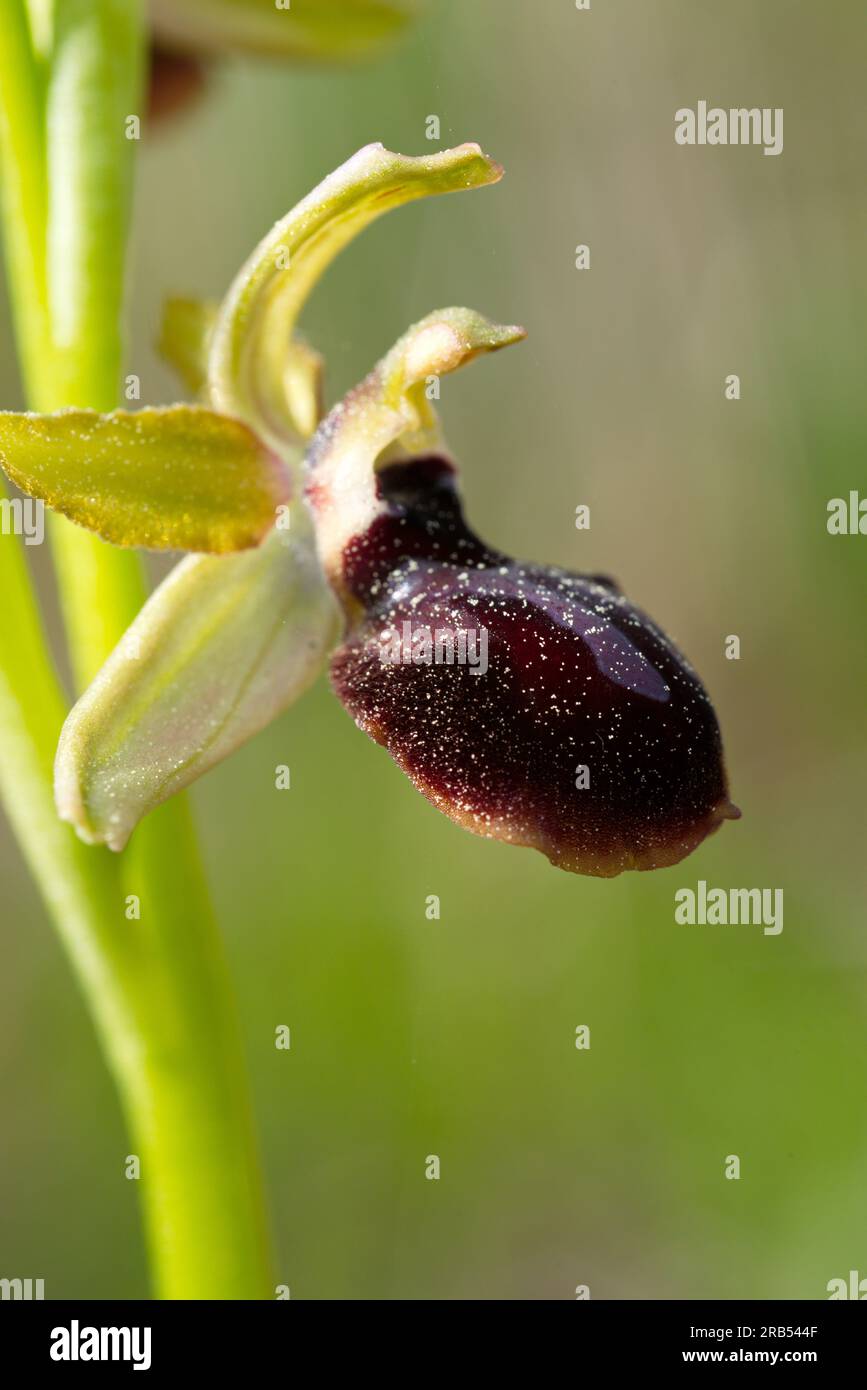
(179, 478)
(387, 415)
(222, 647)
(312, 30)
(255, 323)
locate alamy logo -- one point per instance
(722, 907)
(739, 125)
(438, 646)
(847, 519)
(26, 1289)
(76, 1343)
(856, 1287)
(23, 516)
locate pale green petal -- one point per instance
(179, 478)
(330, 30)
(221, 648)
(386, 416)
(257, 318)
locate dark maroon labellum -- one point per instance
(588, 736)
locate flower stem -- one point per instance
(156, 984)
(92, 87)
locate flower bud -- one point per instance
(187, 34)
(304, 30)
(529, 704)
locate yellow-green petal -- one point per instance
(179, 478)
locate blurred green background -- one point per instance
(456, 1037)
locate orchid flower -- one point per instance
(588, 736)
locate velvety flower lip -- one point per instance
(577, 677)
(588, 737)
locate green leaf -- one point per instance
(388, 414)
(333, 30)
(221, 648)
(248, 345)
(180, 478)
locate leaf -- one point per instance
(334, 30)
(256, 320)
(179, 478)
(222, 647)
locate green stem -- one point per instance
(23, 187)
(76, 884)
(93, 88)
(156, 985)
(206, 1220)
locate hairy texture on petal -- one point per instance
(311, 30)
(180, 478)
(530, 705)
(221, 648)
(256, 320)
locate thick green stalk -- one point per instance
(82, 889)
(23, 185)
(92, 89)
(207, 1227)
(156, 984)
